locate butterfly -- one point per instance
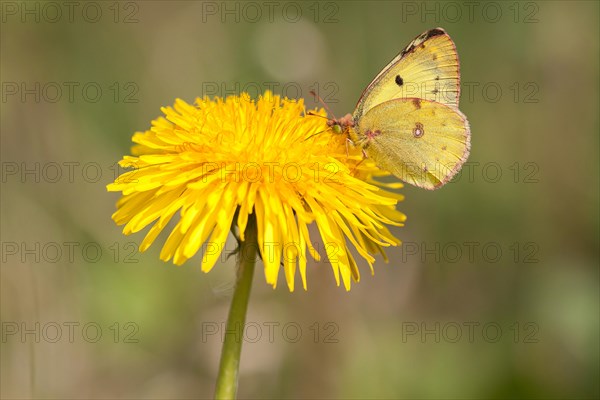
(407, 119)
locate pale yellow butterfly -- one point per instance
(407, 120)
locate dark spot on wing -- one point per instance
(407, 50)
(419, 40)
(437, 78)
(435, 91)
(444, 147)
(371, 134)
(418, 131)
(434, 57)
(434, 32)
(417, 103)
(399, 80)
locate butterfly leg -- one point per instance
(365, 156)
(370, 135)
(348, 142)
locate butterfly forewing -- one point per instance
(422, 142)
(427, 68)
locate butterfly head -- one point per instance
(337, 125)
(341, 125)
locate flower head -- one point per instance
(220, 161)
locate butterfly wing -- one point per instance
(422, 142)
(427, 68)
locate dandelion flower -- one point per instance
(221, 161)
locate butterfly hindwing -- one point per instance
(422, 142)
(427, 68)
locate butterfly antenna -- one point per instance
(314, 134)
(322, 102)
(317, 115)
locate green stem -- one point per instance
(227, 381)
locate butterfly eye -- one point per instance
(418, 131)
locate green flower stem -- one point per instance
(227, 381)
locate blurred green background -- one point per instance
(493, 295)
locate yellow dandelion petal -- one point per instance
(217, 240)
(306, 237)
(302, 260)
(156, 229)
(152, 211)
(220, 161)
